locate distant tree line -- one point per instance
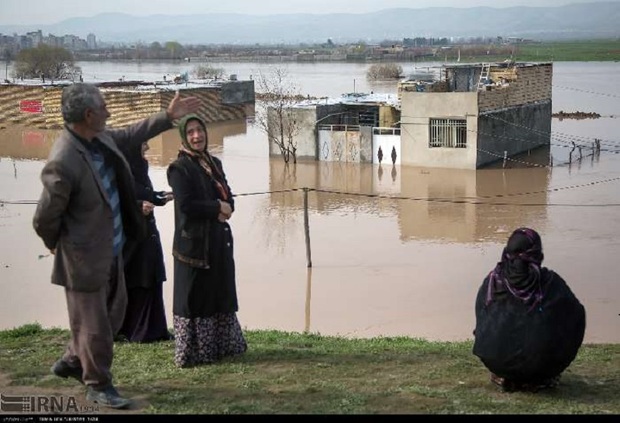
(52, 63)
(173, 50)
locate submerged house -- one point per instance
(477, 114)
(344, 129)
(38, 105)
(471, 116)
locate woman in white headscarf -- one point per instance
(206, 327)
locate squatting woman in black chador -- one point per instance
(529, 324)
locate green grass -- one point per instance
(576, 51)
(293, 373)
(558, 51)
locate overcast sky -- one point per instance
(17, 12)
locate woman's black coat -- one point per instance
(146, 266)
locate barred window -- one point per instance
(448, 133)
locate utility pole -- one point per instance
(7, 59)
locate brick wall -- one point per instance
(39, 106)
(528, 84)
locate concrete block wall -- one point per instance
(531, 84)
(417, 111)
(388, 116)
(306, 137)
(365, 146)
(238, 92)
(513, 130)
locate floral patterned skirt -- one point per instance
(205, 340)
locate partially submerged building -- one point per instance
(477, 114)
(38, 105)
(471, 116)
(343, 129)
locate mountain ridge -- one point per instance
(574, 21)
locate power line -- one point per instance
(458, 200)
(587, 91)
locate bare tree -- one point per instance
(384, 71)
(207, 72)
(276, 115)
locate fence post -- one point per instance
(505, 157)
(308, 298)
(307, 229)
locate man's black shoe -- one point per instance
(107, 397)
(62, 369)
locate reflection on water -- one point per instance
(429, 203)
(395, 250)
(24, 143)
(35, 144)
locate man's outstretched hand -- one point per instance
(180, 107)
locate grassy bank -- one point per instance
(576, 51)
(289, 373)
(558, 51)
